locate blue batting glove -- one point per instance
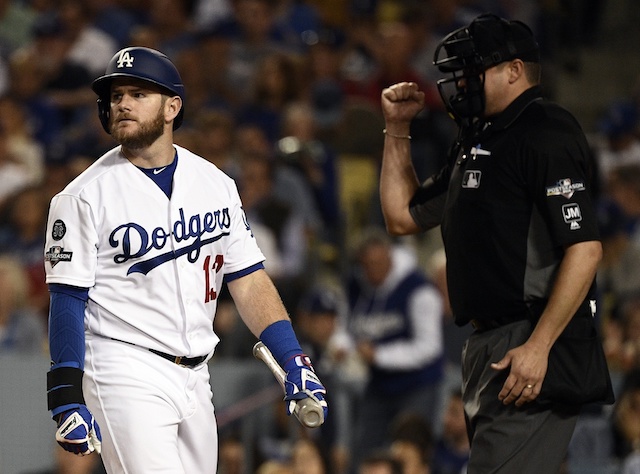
(78, 432)
(301, 381)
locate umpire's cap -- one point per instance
(499, 40)
(140, 63)
(488, 40)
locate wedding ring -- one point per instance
(529, 386)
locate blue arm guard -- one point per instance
(66, 325)
(67, 347)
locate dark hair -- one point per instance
(413, 428)
(371, 236)
(533, 72)
(383, 457)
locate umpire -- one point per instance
(521, 240)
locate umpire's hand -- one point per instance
(400, 103)
(528, 366)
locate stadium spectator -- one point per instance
(308, 457)
(451, 451)
(89, 45)
(380, 462)
(275, 84)
(251, 35)
(21, 329)
(395, 319)
(16, 20)
(214, 139)
(317, 319)
(302, 151)
(412, 443)
(22, 235)
(621, 276)
(20, 141)
(277, 221)
(173, 23)
(14, 173)
(619, 138)
(65, 80)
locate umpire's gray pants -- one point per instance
(506, 439)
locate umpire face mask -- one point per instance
(468, 52)
(463, 91)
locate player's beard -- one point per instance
(147, 133)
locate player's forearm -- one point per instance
(398, 184)
(258, 301)
(67, 348)
(66, 329)
(575, 276)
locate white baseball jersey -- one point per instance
(154, 266)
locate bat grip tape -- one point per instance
(64, 387)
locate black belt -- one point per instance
(179, 360)
(184, 361)
(535, 310)
(482, 325)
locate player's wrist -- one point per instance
(59, 413)
(64, 389)
(281, 340)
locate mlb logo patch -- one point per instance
(572, 215)
(471, 179)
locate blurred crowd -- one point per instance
(283, 95)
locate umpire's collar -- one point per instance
(514, 109)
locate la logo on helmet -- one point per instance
(125, 59)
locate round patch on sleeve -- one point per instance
(59, 229)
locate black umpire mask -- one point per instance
(466, 53)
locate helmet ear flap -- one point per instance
(104, 113)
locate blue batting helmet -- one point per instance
(140, 63)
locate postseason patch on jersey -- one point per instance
(57, 254)
(566, 188)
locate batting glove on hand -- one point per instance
(78, 432)
(301, 382)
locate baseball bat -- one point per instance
(308, 411)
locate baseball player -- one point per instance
(137, 250)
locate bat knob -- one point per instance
(310, 413)
(257, 348)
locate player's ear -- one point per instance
(172, 107)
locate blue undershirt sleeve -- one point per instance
(66, 325)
